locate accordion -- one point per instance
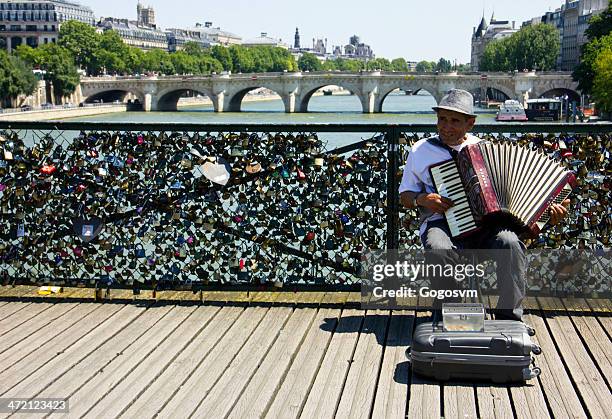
(501, 184)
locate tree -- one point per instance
(600, 25)
(424, 67)
(602, 84)
(81, 40)
(309, 62)
(379, 64)
(242, 59)
(221, 54)
(463, 68)
(60, 69)
(599, 34)
(159, 61)
(16, 78)
(399, 64)
(534, 47)
(444, 66)
(184, 63)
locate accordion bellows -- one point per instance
(501, 184)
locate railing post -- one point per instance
(392, 136)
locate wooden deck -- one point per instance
(279, 355)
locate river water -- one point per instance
(339, 109)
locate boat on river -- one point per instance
(511, 110)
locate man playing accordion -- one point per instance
(417, 190)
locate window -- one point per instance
(46, 40)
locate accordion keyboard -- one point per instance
(448, 184)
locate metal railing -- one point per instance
(147, 206)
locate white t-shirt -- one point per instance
(416, 177)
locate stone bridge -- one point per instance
(296, 88)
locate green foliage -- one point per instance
(309, 62)
(444, 66)
(425, 66)
(534, 47)
(16, 77)
(242, 60)
(399, 64)
(585, 72)
(34, 57)
(222, 55)
(600, 25)
(463, 68)
(82, 41)
(60, 69)
(602, 84)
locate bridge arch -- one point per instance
(235, 101)
(112, 95)
(306, 95)
(167, 100)
(561, 92)
(409, 91)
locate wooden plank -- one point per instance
(335, 298)
(226, 391)
(392, 391)
(600, 304)
(260, 391)
(184, 402)
(589, 382)
(162, 389)
(325, 393)
(556, 384)
(528, 400)
(148, 369)
(294, 389)
(41, 352)
(29, 381)
(27, 313)
(34, 324)
(360, 387)
(531, 303)
(575, 304)
(424, 396)
(493, 401)
(96, 375)
(286, 297)
(12, 307)
(265, 297)
(46, 336)
(597, 341)
(459, 400)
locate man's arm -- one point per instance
(431, 201)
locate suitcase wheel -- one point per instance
(530, 330)
(529, 374)
(536, 349)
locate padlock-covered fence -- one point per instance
(244, 207)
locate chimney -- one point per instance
(513, 22)
(207, 24)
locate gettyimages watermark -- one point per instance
(428, 278)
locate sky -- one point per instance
(414, 30)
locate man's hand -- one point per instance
(435, 202)
(558, 212)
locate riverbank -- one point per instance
(63, 113)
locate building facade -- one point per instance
(571, 20)
(264, 40)
(357, 49)
(145, 15)
(486, 33)
(576, 16)
(142, 37)
(216, 35)
(34, 23)
(177, 38)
